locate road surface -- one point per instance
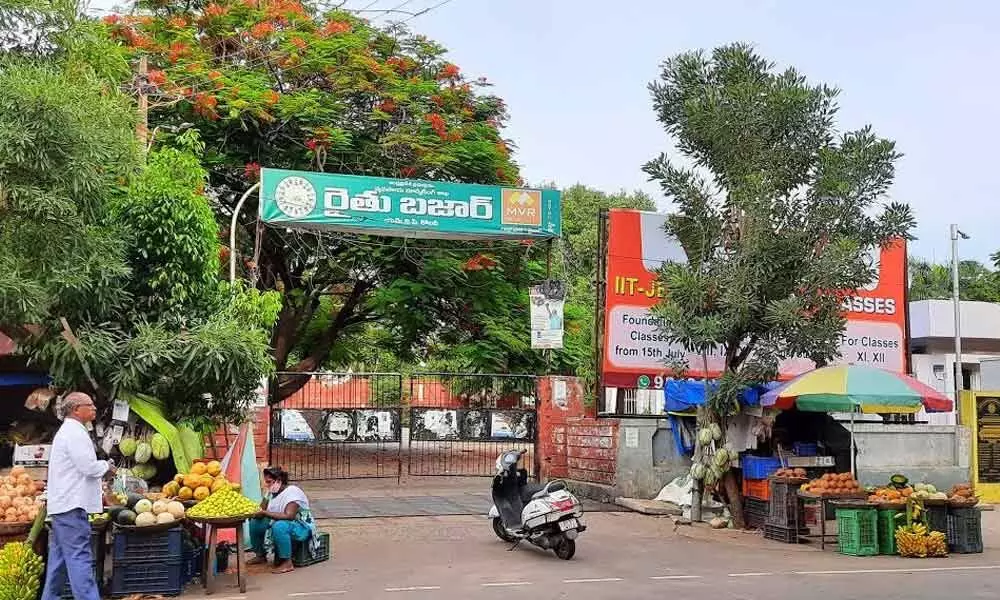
(622, 555)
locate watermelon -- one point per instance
(126, 517)
(132, 499)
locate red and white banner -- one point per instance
(636, 353)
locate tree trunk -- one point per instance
(735, 498)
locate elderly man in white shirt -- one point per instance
(74, 490)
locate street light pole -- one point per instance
(232, 231)
(956, 233)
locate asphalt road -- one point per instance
(622, 555)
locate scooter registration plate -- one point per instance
(568, 524)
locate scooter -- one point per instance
(546, 515)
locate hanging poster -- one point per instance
(547, 315)
(512, 425)
(376, 425)
(339, 426)
(475, 425)
(432, 424)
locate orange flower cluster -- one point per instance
(449, 71)
(437, 123)
(261, 30)
(285, 11)
(335, 28)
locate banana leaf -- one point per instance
(150, 410)
(194, 442)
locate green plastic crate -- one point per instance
(887, 524)
(300, 552)
(857, 531)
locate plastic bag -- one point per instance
(125, 483)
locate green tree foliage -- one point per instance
(775, 216)
(930, 281)
(118, 247)
(283, 84)
(577, 254)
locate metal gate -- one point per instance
(339, 426)
(459, 423)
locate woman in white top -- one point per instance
(285, 517)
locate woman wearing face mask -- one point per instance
(285, 517)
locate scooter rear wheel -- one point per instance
(566, 549)
(501, 531)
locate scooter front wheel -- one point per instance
(566, 549)
(501, 531)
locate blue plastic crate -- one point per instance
(135, 546)
(147, 577)
(191, 564)
(759, 467)
(805, 448)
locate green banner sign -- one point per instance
(406, 207)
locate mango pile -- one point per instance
(204, 480)
(224, 504)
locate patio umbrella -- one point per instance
(856, 388)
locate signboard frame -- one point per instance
(407, 207)
(889, 290)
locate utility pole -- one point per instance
(957, 233)
(142, 125)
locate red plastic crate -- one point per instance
(757, 488)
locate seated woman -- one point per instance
(285, 517)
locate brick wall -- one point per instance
(572, 443)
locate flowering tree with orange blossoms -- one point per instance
(279, 84)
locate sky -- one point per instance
(574, 76)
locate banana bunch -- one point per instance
(911, 540)
(937, 544)
(20, 572)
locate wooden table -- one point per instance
(822, 500)
(211, 538)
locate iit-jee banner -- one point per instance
(406, 207)
(635, 353)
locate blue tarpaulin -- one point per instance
(23, 379)
(681, 395)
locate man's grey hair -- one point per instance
(70, 402)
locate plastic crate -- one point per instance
(937, 518)
(759, 467)
(887, 524)
(857, 531)
(134, 546)
(300, 552)
(754, 512)
(965, 530)
(756, 488)
(805, 448)
(785, 507)
(787, 535)
(191, 563)
(164, 577)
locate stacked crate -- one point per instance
(756, 470)
(785, 518)
(149, 563)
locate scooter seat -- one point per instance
(536, 491)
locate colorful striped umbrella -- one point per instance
(853, 388)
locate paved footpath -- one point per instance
(622, 555)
